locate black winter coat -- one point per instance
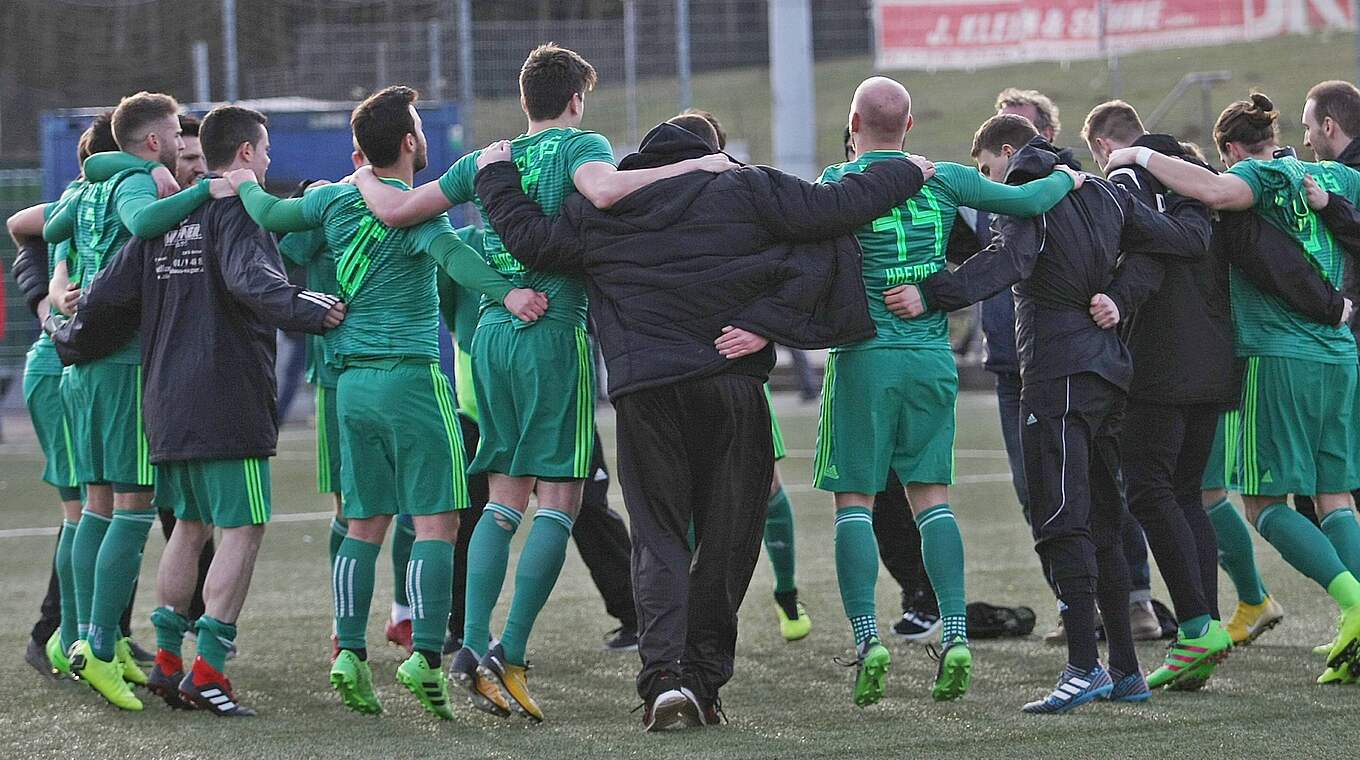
(672, 264)
(206, 298)
(1058, 261)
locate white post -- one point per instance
(794, 121)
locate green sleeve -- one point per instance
(101, 166)
(1249, 171)
(61, 222)
(143, 215)
(272, 213)
(585, 148)
(458, 183)
(299, 248)
(463, 264)
(971, 189)
(62, 253)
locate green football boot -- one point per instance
(871, 667)
(1186, 655)
(104, 677)
(353, 678)
(793, 628)
(430, 685)
(61, 664)
(122, 654)
(955, 673)
(1343, 662)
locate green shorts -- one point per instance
(228, 493)
(1220, 473)
(42, 396)
(776, 433)
(327, 442)
(104, 407)
(886, 408)
(1298, 428)
(401, 451)
(535, 400)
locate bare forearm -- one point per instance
(1219, 191)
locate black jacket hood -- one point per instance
(666, 144)
(662, 204)
(1036, 161)
(1164, 144)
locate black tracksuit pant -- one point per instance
(601, 536)
(1070, 433)
(1165, 448)
(478, 494)
(899, 546)
(698, 450)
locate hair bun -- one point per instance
(1264, 105)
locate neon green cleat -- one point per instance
(1322, 650)
(793, 629)
(955, 673)
(1186, 655)
(132, 672)
(1249, 621)
(430, 685)
(61, 664)
(1343, 662)
(871, 667)
(104, 677)
(353, 678)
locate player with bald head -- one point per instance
(888, 402)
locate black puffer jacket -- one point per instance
(1058, 261)
(206, 298)
(672, 264)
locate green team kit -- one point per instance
(42, 388)
(104, 397)
(888, 401)
(539, 423)
(1298, 425)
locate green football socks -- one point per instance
(429, 584)
(403, 536)
(488, 557)
(66, 579)
(942, 553)
(116, 570)
(215, 640)
(540, 563)
(857, 569)
(85, 545)
(339, 529)
(779, 545)
(352, 578)
(1300, 543)
(1236, 555)
(1343, 532)
(170, 629)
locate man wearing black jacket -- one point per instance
(1075, 379)
(206, 298)
(670, 268)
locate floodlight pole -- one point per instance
(229, 60)
(630, 67)
(465, 68)
(682, 51)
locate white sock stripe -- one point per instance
(934, 518)
(335, 585)
(854, 518)
(557, 516)
(349, 586)
(413, 573)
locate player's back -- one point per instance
(905, 246)
(547, 162)
(99, 235)
(1263, 325)
(384, 276)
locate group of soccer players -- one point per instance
(391, 428)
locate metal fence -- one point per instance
(19, 189)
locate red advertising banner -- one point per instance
(965, 34)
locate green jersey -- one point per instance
(547, 162)
(907, 245)
(42, 355)
(106, 213)
(457, 304)
(383, 274)
(309, 251)
(1262, 324)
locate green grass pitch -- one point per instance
(786, 701)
